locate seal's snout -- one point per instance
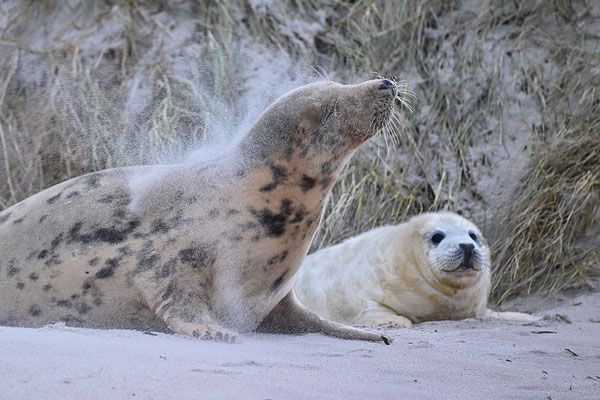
(387, 85)
(467, 249)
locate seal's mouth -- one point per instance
(386, 116)
(382, 113)
(463, 268)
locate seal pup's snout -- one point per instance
(467, 249)
(388, 85)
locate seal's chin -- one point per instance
(382, 115)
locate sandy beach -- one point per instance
(557, 357)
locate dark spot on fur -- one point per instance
(96, 295)
(33, 276)
(20, 285)
(167, 268)
(18, 221)
(53, 260)
(52, 199)
(158, 226)
(82, 307)
(283, 256)
(110, 265)
(46, 287)
(120, 213)
(298, 217)
(197, 256)
(4, 218)
(171, 288)
(34, 310)
(147, 263)
(73, 194)
(114, 235)
(56, 241)
(110, 235)
(94, 261)
(125, 251)
(42, 218)
(106, 199)
(64, 303)
(280, 175)
(146, 258)
(307, 183)
(273, 223)
(279, 280)
(12, 270)
(43, 254)
(232, 211)
(276, 259)
(214, 213)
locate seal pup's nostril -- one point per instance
(467, 249)
(385, 84)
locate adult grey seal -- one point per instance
(207, 250)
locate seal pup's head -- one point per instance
(321, 124)
(451, 249)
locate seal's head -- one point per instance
(322, 123)
(452, 249)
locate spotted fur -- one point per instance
(206, 250)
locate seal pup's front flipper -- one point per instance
(511, 316)
(291, 317)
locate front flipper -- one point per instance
(203, 331)
(291, 317)
(511, 316)
(378, 315)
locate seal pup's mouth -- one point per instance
(463, 268)
(470, 260)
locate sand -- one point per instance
(557, 357)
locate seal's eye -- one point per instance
(330, 112)
(473, 236)
(437, 237)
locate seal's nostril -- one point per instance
(467, 247)
(385, 84)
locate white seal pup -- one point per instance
(207, 250)
(436, 266)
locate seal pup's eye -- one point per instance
(474, 236)
(437, 237)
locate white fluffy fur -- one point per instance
(395, 275)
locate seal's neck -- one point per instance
(285, 174)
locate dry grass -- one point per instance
(505, 94)
(559, 205)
